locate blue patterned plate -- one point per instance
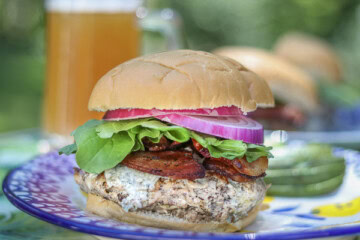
(45, 188)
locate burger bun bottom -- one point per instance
(108, 209)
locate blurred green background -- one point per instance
(207, 24)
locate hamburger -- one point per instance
(319, 59)
(312, 54)
(175, 149)
(294, 91)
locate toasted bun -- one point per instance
(109, 209)
(288, 82)
(310, 53)
(181, 79)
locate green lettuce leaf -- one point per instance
(101, 145)
(232, 149)
(95, 154)
(255, 151)
(69, 149)
(229, 149)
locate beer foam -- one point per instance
(92, 5)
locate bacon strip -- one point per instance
(176, 145)
(162, 145)
(173, 164)
(226, 170)
(200, 149)
(255, 168)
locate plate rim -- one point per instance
(133, 234)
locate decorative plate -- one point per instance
(345, 139)
(45, 188)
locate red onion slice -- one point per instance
(143, 113)
(236, 128)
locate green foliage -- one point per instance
(213, 23)
(341, 95)
(20, 90)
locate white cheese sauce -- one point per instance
(136, 185)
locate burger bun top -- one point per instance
(180, 79)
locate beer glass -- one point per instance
(85, 39)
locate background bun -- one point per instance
(181, 79)
(288, 82)
(310, 53)
(109, 209)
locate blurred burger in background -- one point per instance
(294, 90)
(311, 54)
(339, 97)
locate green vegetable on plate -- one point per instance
(305, 170)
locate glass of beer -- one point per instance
(85, 39)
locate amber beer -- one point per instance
(82, 45)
